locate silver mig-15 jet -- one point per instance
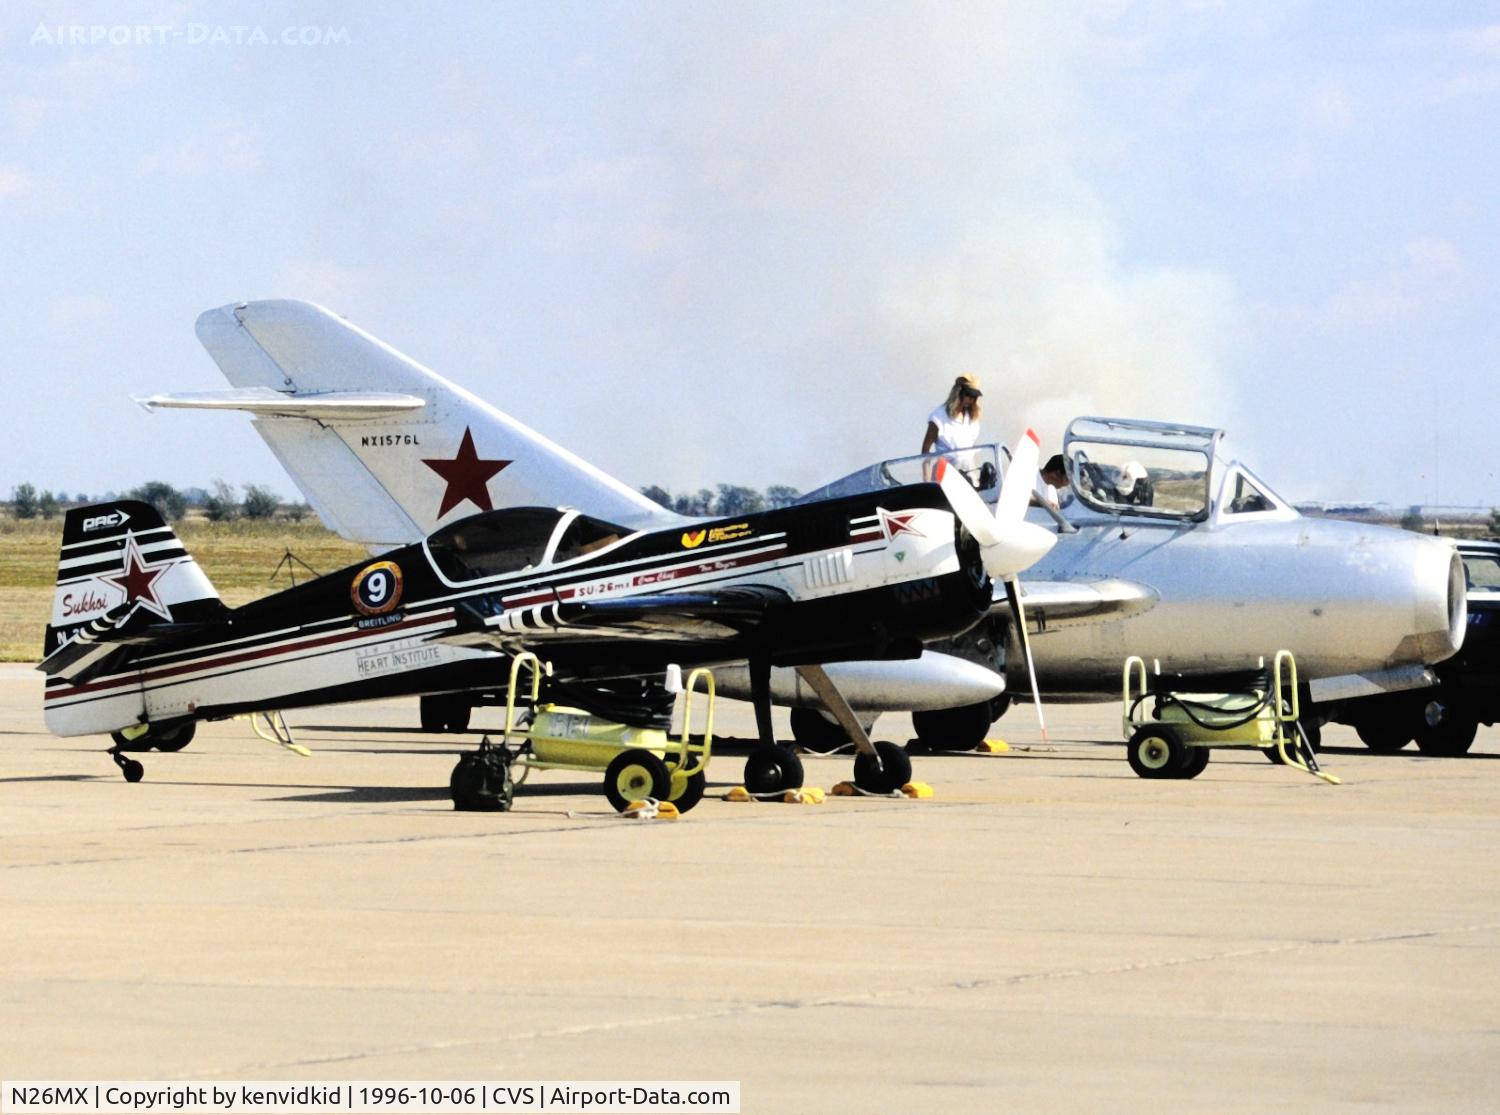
(1166, 546)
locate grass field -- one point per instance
(238, 557)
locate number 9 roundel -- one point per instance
(377, 588)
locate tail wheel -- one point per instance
(1156, 753)
(893, 772)
(687, 789)
(636, 774)
(773, 770)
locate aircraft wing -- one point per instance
(1052, 604)
(678, 617)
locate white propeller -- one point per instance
(1007, 542)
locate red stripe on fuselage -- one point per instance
(146, 677)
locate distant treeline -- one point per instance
(730, 499)
(219, 504)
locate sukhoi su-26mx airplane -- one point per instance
(1169, 548)
(142, 647)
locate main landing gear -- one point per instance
(879, 768)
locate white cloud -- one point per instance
(79, 309)
(233, 150)
(15, 182)
(325, 281)
(1431, 272)
(1040, 306)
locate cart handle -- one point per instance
(1137, 665)
(693, 757)
(523, 658)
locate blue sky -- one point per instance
(753, 243)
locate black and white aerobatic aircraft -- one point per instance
(141, 646)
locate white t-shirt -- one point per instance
(953, 433)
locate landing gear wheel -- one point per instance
(636, 774)
(814, 731)
(687, 790)
(1450, 737)
(1386, 737)
(893, 772)
(1195, 762)
(773, 770)
(132, 770)
(173, 739)
(431, 712)
(1155, 753)
(953, 729)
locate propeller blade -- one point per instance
(1007, 542)
(1020, 480)
(967, 504)
(1013, 594)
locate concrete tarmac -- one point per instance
(1050, 933)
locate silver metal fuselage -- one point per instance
(1346, 598)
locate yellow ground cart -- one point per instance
(637, 763)
(1170, 733)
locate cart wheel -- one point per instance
(633, 775)
(687, 790)
(1155, 753)
(1194, 764)
(771, 770)
(893, 773)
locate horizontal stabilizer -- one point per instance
(1053, 604)
(347, 406)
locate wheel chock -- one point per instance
(649, 809)
(844, 790)
(917, 790)
(806, 795)
(992, 747)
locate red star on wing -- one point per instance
(138, 581)
(899, 523)
(467, 476)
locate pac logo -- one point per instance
(377, 588)
(693, 538)
(99, 522)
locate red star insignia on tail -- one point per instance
(138, 581)
(467, 476)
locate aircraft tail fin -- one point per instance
(124, 582)
(383, 449)
(123, 569)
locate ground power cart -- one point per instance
(1170, 733)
